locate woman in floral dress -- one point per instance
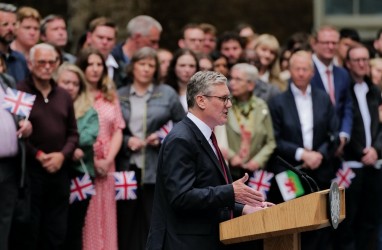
(100, 231)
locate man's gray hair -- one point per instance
(7, 7)
(200, 84)
(250, 71)
(33, 50)
(142, 24)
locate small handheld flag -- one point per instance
(289, 184)
(18, 102)
(344, 176)
(125, 185)
(81, 188)
(164, 130)
(261, 181)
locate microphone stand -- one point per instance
(308, 180)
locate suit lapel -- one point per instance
(336, 83)
(317, 107)
(291, 104)
(318, 79)
(207, 148)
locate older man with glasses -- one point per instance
(49, 150)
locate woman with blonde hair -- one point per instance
(100, 231)
(72, 79)
(267, 52)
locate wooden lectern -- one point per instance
(280, 226)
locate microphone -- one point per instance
(308, 180)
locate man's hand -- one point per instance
(249, 209)
(370, 156)
(245, 194)
(53, 162)
(25, 129)
(135, 143)
(153, 140)
(340, 149)
(312, 159)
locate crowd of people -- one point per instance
(313, 100)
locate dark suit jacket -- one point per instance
(191, 194)
(354, 149)
(342, 93)
(288, 135)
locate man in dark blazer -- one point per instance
(325, 43)
(303, 122)
(361, 155)
(194, 190)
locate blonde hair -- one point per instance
(373, 62)
(28, 12)
(83, 102)
(272, 43)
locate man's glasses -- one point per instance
(42, 63)
(358, 60)
(224, 99)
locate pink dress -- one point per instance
(100, 230)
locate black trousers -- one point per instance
(76, 220)
(49, 198)
(9, 169)
(362, 211)
(134, 216)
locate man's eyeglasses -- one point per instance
(224, 99)
(42, 63)
(358, 60)
(327, 43)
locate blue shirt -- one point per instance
(16, 65)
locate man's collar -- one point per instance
(320, 65)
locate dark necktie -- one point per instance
(220, 156)
(221, 161)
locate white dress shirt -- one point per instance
(204, 128)
(111, 64)
(305, 113)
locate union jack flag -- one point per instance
(81, 188)
(18, 102)
(125, 185)
(344, 176)
(164, 130)
(261, 181)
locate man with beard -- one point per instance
(15, 61)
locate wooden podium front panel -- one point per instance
(284, 242)
(302, 214)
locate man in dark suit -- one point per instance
(361, 154)
(333, 79)
(303, 120)
(194, 190)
